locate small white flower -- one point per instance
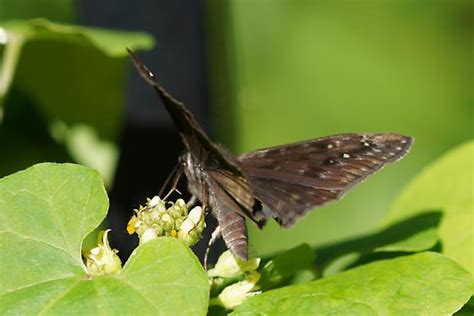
(161, 218)
(234, 295)
(102, 259)
(228, 266)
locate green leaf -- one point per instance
(76, 77)
(286, 266)
(57, 10)
(421, 284)
(446, 184)
(46, 211)
(414, 234)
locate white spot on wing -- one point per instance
(330, 146)
(295, 197)
(346, 155)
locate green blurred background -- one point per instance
(279, 72)
(312, 68)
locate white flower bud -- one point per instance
(228, 266)
(166, 218)
(180, 203)
(148, 235)
(154, 201)
(186, 226)
(154, 215)
(196, 215)
(233, 295)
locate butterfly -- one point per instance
(283, 182)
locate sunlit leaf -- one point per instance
(446, 184)
(420, 284)
(45, 213)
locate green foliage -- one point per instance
(414, 234)
(73, 79)
(57, 10)
(46, 212)
(425, 283)
(446, 184)
(288, 267)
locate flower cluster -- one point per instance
(161, 218)
(102, 259)
(242, 276)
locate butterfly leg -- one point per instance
(175, 175)
(215, 234)
(192, 201)
(168, 178)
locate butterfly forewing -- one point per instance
(292, 179)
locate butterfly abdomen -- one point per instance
(234, 232)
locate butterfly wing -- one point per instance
(292, 179)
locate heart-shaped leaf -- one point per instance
(421, 284)
(46, 211)
(446, 184)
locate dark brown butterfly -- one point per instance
(283, 182)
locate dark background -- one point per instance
(179, 59)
